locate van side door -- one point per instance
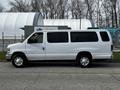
(57, 46)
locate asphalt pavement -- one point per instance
(60, 76)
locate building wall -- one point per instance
(12, 22)
(74, 24)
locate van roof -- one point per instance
(90, 30)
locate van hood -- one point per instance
(13, 45)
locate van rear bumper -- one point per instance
(102, 60)
(103, 56)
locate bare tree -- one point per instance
(61, 8)
(36, 5)
(118, 6)
(1, 8)
(106, 8)
(77, 7)
(20, 6)
(106, 13)
(98, 13)
(90, 9)
(114, 13)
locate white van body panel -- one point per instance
(33, 53)
(18, 47)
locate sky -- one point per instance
(5, 4)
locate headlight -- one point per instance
(8, 50)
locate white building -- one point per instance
(74, 24)
(12, 22)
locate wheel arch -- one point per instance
(21, 53)
(84, 53)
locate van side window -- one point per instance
(104, 36)
(36, 38)
(84, 37)
(57, 37)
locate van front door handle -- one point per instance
(43, 48)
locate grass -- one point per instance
(2, 56)
(116, 56)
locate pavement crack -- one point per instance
(115, 78)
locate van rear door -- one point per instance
(106, 45)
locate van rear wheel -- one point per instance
(19, 60)
(84, 61)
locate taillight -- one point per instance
(111, 47)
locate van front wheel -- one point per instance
(18, 60)
(84, 61)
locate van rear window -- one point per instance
(104, 36)
(84, 37)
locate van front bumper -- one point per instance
(8, 57)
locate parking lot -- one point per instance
(60, 76)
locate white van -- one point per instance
(81, 46)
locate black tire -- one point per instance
(84, 61)
(21, 63)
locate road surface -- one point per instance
(63, 76)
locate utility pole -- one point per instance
(3, 41)
(80, 19)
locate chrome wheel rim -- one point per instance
(84, 61)
(18, 61)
